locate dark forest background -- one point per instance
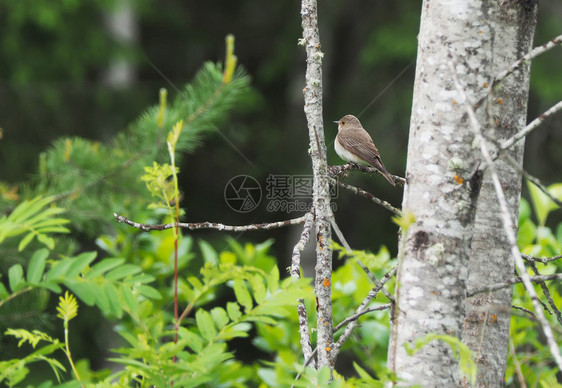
(55, 58)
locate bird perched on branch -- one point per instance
(354, 144)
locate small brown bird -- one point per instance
(354, 144)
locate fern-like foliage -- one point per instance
(35, 220)
(201, 351)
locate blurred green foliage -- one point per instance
(54, 55)
(529, 352)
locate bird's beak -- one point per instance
(336, 122)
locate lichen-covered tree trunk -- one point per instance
(444, 182)
(486, 325)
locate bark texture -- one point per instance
(486, 325)
(321, 190)
(443, 187)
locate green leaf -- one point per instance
(273, 279)
(25, 241)
(242, 294)
(149, 292)
(15, 277)
(122, 271)
(3, 292)
(37, 265)
(102, 302)
(258, 286)
(524, 210)
(210, 256)
(140, 279)
(79, 263)
(114, 300)
(48, 241)
(324, 376)
(103, 266)
(194, 341)
(51, 286)
(362, 372)
(26, 209)
(129, 298)
(58, 270)
(233, 310)
(67, 307)
(526, 233)
(205, 324)
(541, 202)
(83, 290)
(195, 283)
(220, 317)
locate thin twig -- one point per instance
(295, 274)
(543, 260)
(507, 222)
(547, 295)
(510, 282)
(211, 225)
(356, 316)
(526, 58)
(531, 126)
(363, 306)
(528, 312)
(366, 194)
(299, 246)
(531, 178)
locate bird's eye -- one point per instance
(343, 123)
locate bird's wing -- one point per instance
(360, 144)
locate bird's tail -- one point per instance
(388, 177)
(384, 173)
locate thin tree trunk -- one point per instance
(443, 183)
(486, 325)
(321, 189)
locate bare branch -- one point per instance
(510, 282)
(211, 225)
(547, 295)
(367, 195)
(507, 222)
(544, 260)
(363, 306)
(343, 169)
(299, 246)
(533, 179)
(295, 274)
(531, 126)
(526, 58)
(357, 315)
